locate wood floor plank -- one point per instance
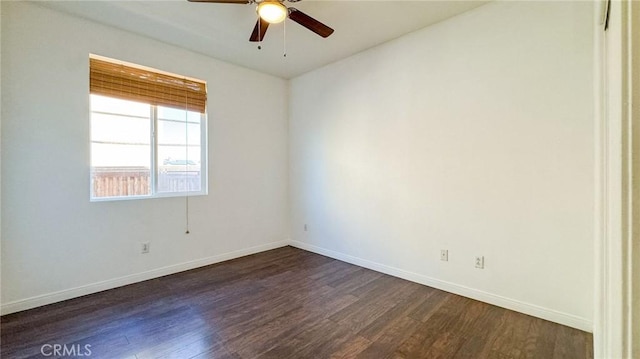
(540, 341)
(188, 345)
(452, 338)
(286, 303)
(351, 348)
(319, 341)
(262, 339)
(424, 311)
(399, 312)
(428, 332)
(357, 280)
(387, 340)
(366, 310)
(477, 343)
(510, 337)
(218, 351)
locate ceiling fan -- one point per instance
(273, 12)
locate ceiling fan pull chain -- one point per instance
(284, 39)
(186, 162)
(259, 33)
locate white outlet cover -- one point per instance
(480, 262)
(444, 255)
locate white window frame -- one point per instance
(153, 180)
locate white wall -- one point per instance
(475, 135)
(55, 243)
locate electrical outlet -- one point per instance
(480, 262)
(444, 255)
(305, 227)
(145, 247)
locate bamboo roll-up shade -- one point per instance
(145, 85)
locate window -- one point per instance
(148, 132)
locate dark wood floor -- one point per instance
(286, 303)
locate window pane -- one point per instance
(179, 151)
(117, 106)
(178, 133)
(118, 155)
(120, 148)
(120, 129)
(168, 113)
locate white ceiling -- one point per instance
(222, 30)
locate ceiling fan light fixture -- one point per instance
(272, 12)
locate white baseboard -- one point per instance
(519, 306)
(500, 301)
(54, 297)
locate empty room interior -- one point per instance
(319, 179)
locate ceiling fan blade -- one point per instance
(259, 30)
(309, 22)
(223, 1)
